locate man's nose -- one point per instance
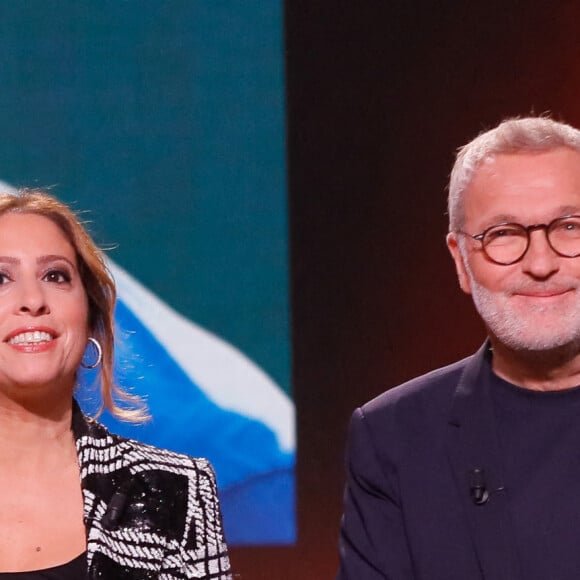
(540, 260)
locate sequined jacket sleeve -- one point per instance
(149, 513)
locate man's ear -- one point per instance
(460, 266)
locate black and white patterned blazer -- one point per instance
(149, 513)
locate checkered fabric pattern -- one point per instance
(149, 513)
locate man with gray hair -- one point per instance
(473, 470)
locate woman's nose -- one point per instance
(33, 300)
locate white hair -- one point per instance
(530, 134)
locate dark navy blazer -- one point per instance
(409, 512)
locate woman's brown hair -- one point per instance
(99, 287)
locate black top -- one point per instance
(539, 434)
(74, 570)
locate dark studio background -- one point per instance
(380, 94)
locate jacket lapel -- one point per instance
(106, 478)
(473, 445)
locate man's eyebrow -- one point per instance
(503, 218)
(568, 209)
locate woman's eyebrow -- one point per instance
(52, 258)
(9, 260)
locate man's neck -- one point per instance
(552, 370)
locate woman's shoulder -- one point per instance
(158, 457)
(100, 448)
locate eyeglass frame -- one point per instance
(527, 229)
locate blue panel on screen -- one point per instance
(251, 451)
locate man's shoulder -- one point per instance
(409, 420)
(428, 389)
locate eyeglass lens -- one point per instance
(507, 243)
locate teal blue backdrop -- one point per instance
(166, 121)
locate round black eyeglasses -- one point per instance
(507, 243)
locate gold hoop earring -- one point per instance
(99, 350)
